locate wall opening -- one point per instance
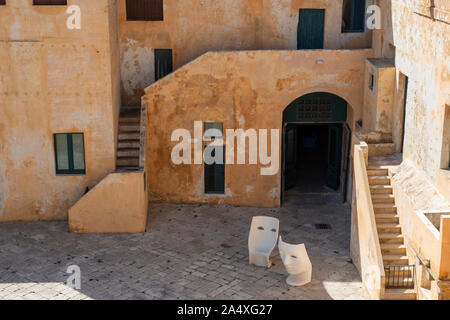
(316, 144)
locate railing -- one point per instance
(399, 276)
(371, 260)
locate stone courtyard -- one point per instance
(188, 252)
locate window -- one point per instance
(49, 2)
(371, 81)
(212, 130)
(2, 2)
(353, 15)
(69, 153)
(445, 158)
(215, 173)
(163, 63)
(145, 10)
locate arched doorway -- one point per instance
(316, 145)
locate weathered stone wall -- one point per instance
(52, 80)
(193, 27)
(379, 100)
(117, 204)
(418, 33)
(422, 45)
(247, 89)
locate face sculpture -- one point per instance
(297, 263)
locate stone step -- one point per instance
(399, 294)
(383, 198)
(390, 237)
(395, 259)
(129, 136)
(394, 276)
(123, 144)
(384, 208)
(376, 137)
(127, 161)
(393, 248)
(379, 180)
(128, 152)
(389, 228)
(377, 189)
(129, 127)
(387, 218)
(128, 109)
(381, 149)
(130, 119)
(126, 168)
(377, 172)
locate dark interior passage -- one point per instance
(312, 150)
(313, 154)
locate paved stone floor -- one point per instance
(189, 252)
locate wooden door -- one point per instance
(334, 155)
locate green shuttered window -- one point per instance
(49, 2)
(163, 63)
(69, 153)
(145, 10)
(311, 26)
(353, 15)
(215, 173)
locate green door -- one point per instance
(311, 26)
(290, 142)
(334, 155)
(163, 63)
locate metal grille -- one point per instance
(401, 276)
(315, 109)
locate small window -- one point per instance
(145, 10)
(2, 2)
(49, 2)
(213, 130)
(215, 173)
(371, 81)
(69, 153)
(163, 63)
(353, 15)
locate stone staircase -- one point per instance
(128, 139)
(390, 235)
(380, 144)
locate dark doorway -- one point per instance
(405, 100)
(163, 63)
(313, 157)
(311, 26)
(316, 146)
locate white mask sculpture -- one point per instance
(297, 263)
(262, 240)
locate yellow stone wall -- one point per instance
(193, 27)
(117, 204)
(247, 89)
(53, 80)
